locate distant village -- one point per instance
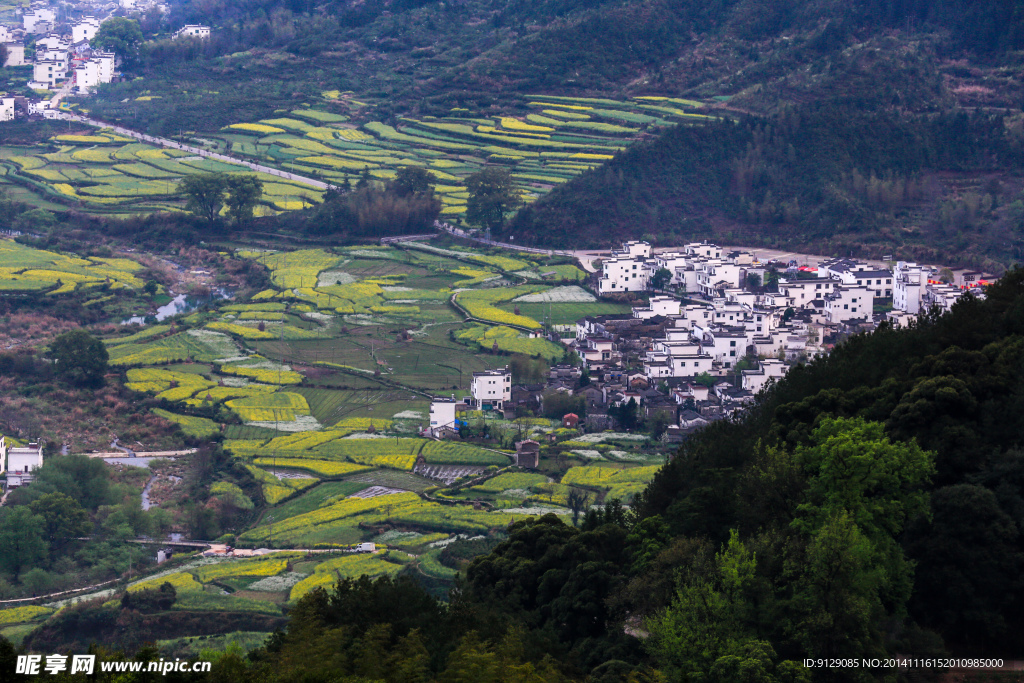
(711, 336)
(59, 51)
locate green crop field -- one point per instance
(566, 313)
(25, 268)
(322, 494)
(108, 173)
(448, 453)
(332, 392)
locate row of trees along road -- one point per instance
(407, 203)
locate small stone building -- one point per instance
(528, 454)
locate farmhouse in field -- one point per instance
(528, 454)
(491, 389)
(443, 421)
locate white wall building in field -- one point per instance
(15, 54)
(634, 249)
(851, 272)
(6, 114)
(87, 76)
(50, 71)
(491, 389)
(623, 275)
(35, 19)
(940, 295)
(703, 249)
(442, 413)
(675, 263)
(767, 370)
(802, 292)
(659, 305)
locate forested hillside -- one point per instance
(427, 56)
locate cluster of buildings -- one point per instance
(490, 390)
(18, 463)
(708, 352)
(64, 60)
(704, 353)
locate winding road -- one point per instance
(198, 151)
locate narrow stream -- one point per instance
(147, 504)
(116, 445)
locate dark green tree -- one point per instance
(64, 518)
(244, 192)
(121, 36)
(661, 278)
(627, 414)
(492, 194)
(79, 358)
(577, 499)
(704, 633)
(205, 194)
(412, 180)
(966, 555)
(364, 178)
(862, 489)
(83, 479)
(22, 543)
(35, 220)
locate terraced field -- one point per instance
(107, 172)
(558, 139)
(23, 268)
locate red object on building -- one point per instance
(571, 420)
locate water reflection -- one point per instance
(183, 303)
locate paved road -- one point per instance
(198, 151)
(449, 228)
